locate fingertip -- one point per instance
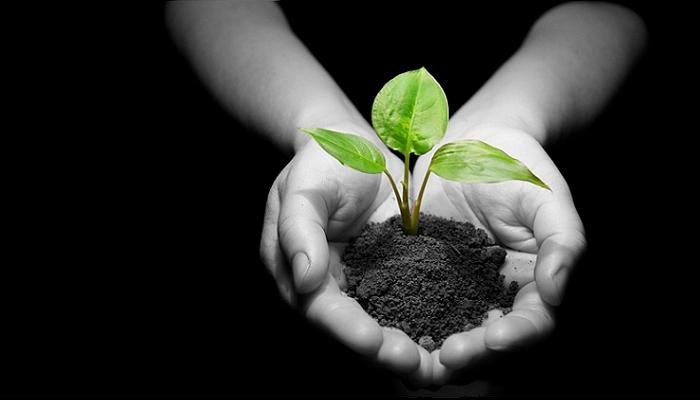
(531, 319)
(461, 349)
(308, 274)
(509, 332)
(302, 237)
(556, 259)
(549, 265)
(554, 295)
(367, 337)
(398, 352)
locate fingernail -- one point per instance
(549, 267)
(559, 279)
(300, 266)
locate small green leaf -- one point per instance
(351, 150)
(473, 161)
(410, 112)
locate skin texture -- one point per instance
(571, 63)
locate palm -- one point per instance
(528, 221)
(497, 208)
(347, 198)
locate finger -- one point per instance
(423, 376)
(561, 239)
(344, 319)
(398, 352)
(270, 252)
(441, 374)
(530, 320)
(464, 350)
(302, 232)
(556, 259)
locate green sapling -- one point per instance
(410, 116)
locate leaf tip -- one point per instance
(424, 71)
(539, 182)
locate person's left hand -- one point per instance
(528, 221)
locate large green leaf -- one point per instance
(353, 151)
(474, 161)
(410, 112)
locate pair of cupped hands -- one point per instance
(316, 205)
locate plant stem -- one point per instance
(403, 208)
(408, 220)
(415, 215)
(407, 159)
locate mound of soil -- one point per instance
(442, 281)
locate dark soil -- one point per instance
(442, 281)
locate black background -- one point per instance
(123, 275)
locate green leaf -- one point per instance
(351, 150)
(410, 112)
(473, 161)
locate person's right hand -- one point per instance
(315, 205)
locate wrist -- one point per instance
(476, 129)
(473, 119)
(507, 138)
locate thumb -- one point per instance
(556, 259)
(561, 240)
(302, 233)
